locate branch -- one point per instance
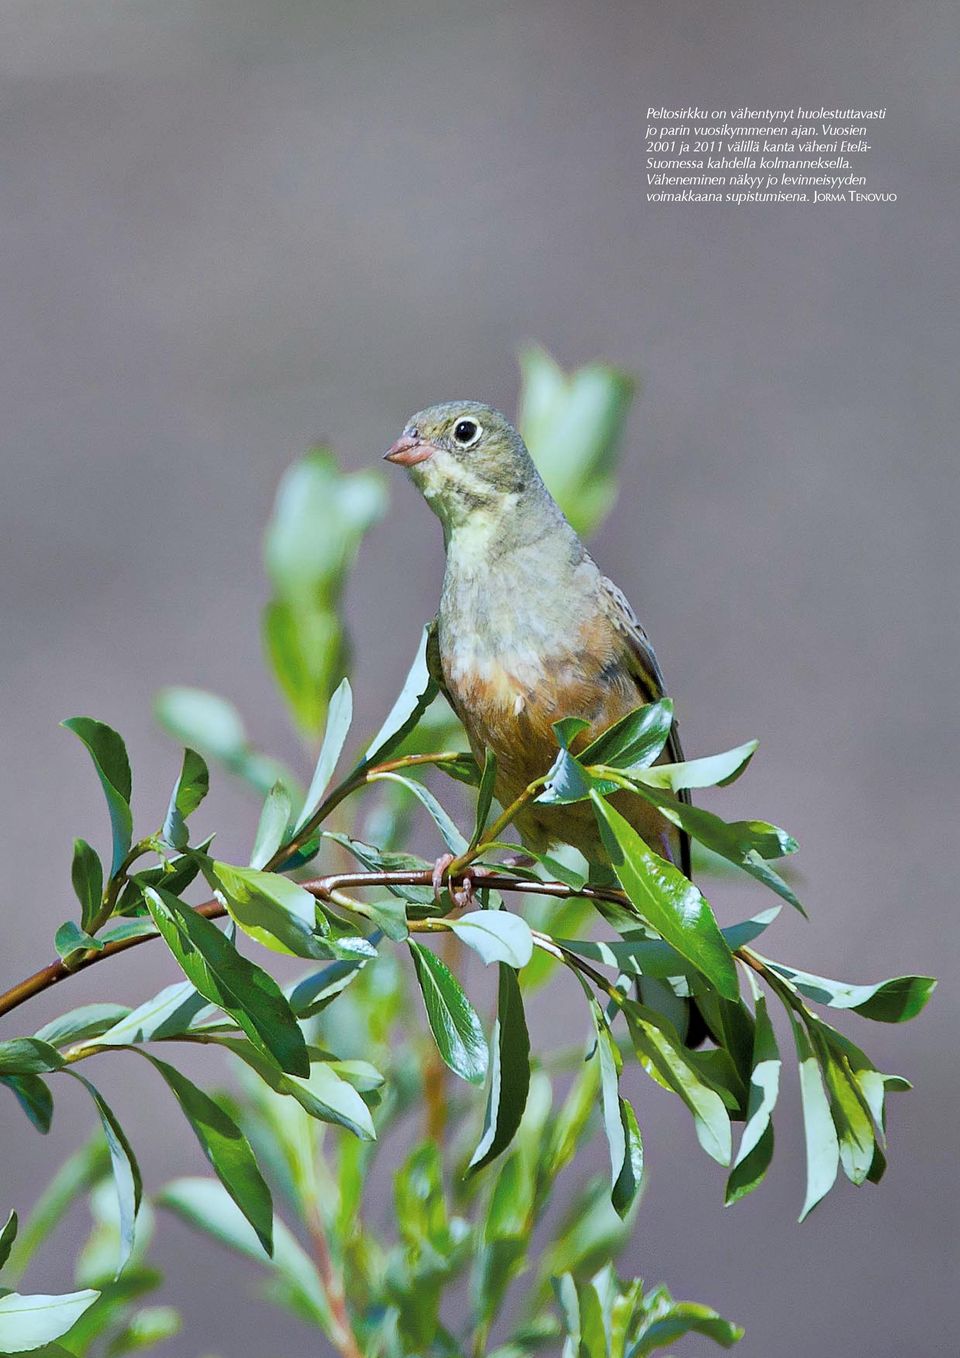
(322, 887)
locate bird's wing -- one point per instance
(434, 667)
(645, 669)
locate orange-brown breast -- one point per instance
(508, 703)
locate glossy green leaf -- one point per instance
(339, 719)
(756, 1144)
(30, 1322)
(190, 789)
(849, 1110)
(496, 936)
(33, 1097)
(823, 1148)
(674, 1319)
(89, 1020)
(226, 978)
(7, 1236)
(635, 740)
(271, 909)
(127, 928)
(509, 1072)
(567, 781)
(325, 1094)
(418, 692)
(126, 1171)
(667, 900)
(166, 1014)
(484, 797)
(273, 826)
(226, 1148)
(86, 873)
(662, 1055)
(893, 1001)
(747, 843)
(109, 755)
(652, 957)
(453, 1019)
(312, 993)
(28, 1056)
(714, 770)
(70, 938)
(452, 837)
(619, 1121)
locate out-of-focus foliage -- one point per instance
(573, 424)
(334, 1065)
(318, 523)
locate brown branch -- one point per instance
(56, 972)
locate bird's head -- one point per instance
(467, 459)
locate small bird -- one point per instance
(529, 630)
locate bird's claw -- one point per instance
(462, 895)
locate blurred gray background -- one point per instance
(228, 228)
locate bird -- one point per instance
(529, 630)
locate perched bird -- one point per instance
(529, 630)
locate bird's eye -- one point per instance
(414, 433)
(466, 433)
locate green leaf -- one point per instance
(567, 781)
(453, 1019)
(893, 1001)
(34, 1098)
(28, 1056)
(226, 1148)
(273, 826)
(126, 1171)
(418, 692)
(89, 1020)
(127, 928)
(823, 1148)
(147, 1327)
(314, 992)
(667, 900)
(756, 1144)
(271, 909)
(190, 789)
(325, 1095)
(7, 1236)
(208, 723)
(849, 1110)
(509, 1072)
(30, 1322)
(652, 957)
(619, 1121)
(573, 425)
(452, 837)
(496, 936)
(307, 649)
(635, 740)
(79, 1172)
(109, 755)
(70, 938)
(86, 874)
(630, 1178)
(484, 797)
(747, 843)
(166, 1014)
(714, 770)
(339, 718)
(664, 1058)
(678, 1318)
(226, 978)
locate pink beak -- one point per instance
(407, 452)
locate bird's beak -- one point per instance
(407, 452)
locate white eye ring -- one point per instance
(470, 439)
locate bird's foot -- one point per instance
(462, 895)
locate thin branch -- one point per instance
(324, 888)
